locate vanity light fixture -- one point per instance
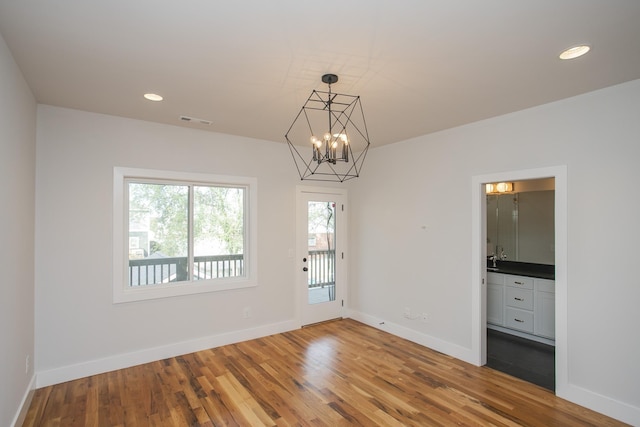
(575, 51)
(338, 151)
(499, 187)
(153, 97)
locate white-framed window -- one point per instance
(179, 233)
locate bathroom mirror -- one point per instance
(520, 224)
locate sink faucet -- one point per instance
(494, 258)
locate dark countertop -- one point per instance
(541, 271)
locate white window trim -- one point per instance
(122, 292)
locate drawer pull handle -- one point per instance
(518, 320)
(518, 299)
(519, 283)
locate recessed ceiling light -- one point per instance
(153, 97)
(575, 51)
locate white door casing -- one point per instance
(309, 309)
(479, 273)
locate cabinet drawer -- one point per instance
(519, 298)
(519, 319)
(519, 281)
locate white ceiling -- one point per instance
(248, 66)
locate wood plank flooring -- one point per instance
(333, 374)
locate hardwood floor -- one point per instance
(331, 374)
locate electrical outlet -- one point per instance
(424, 317)
(26, 363)
(407, 312)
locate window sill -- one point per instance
(147, 292)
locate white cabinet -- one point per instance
(545, 309)
(495, 299)
(519, 298)
(520, 282)
(521, 320)
(520, 303)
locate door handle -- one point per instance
(304, 260)
(305, 269)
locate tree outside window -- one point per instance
(182, 232)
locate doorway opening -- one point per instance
(479, 263)
(520, 287)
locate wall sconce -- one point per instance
(499, 187)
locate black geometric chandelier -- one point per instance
(328, 138)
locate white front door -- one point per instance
(321, 234)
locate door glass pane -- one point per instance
(322, 254)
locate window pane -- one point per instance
(158, 233)
(218, 232)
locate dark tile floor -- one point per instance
(529, 360)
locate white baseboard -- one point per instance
(120, 361)
(429, 341)
(578, 395)
(524, 335)
(605, 405)
(20, 416)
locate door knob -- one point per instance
(305, 269)
(304, 260)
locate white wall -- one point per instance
(411, 230)
(17, 211)
(78, 329)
